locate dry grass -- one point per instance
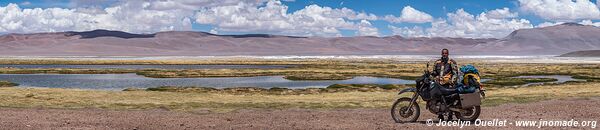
(544, 92)
(68, 98)
(72, 98)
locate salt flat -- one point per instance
(401, 58)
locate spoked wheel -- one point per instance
(469, 114)
(402, 113)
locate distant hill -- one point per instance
(107, 33)
(187, 43)
(587, 53)
(553, 40)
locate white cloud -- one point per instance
(89, 3)
(352, 15)
(463, 24)
(252, 16)
(273, 18)
(135, 16)
(366, 29)
(589, 22)
(415, 31)
(91, 10)
(547, 24)
(410, 15)
(130, 16)
(196, 4)
(561, 10)
(213, 31)
(501, 13)
(583, 22)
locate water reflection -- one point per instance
(122, 81)
(560, 78)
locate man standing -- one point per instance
(446, 70)
(445, 73)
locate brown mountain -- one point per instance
(586, 53)
(549, 40)
(555, 40)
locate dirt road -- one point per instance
(32, 118)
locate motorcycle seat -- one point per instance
(448, 91)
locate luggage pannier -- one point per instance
(469, 100)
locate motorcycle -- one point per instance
(439, 100)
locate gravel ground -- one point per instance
(41, 118)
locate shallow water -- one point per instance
(560, 78)
(122, 81)
(144, 66)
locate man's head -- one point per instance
(445, 54)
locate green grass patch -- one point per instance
(181, 89)
(518, 81)
(366, 86)
(586, 77)
(8, 84)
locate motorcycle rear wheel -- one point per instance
(471, 114)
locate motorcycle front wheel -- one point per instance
(402, 113)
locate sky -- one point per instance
(313, 18)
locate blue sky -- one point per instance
(254, 17)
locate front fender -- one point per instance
(407, 90)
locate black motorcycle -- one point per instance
(440, 100)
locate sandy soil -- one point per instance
(40, 118)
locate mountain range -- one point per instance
(552, 40)
(586, 53)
